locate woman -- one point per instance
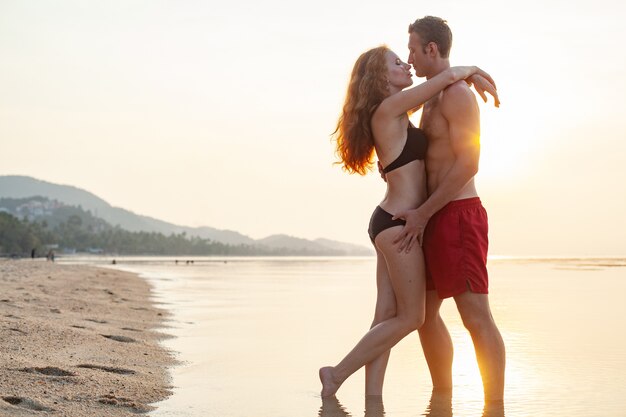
(375, 118)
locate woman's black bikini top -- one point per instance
(414, 148)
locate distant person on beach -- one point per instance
(452, 223)
(375, 119)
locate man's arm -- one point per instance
(460, 109)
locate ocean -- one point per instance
(252, 332)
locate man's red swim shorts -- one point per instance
(455, 249)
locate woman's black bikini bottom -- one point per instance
(382, 220)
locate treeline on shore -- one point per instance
(74, 229)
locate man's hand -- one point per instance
(413, 230)
(482, 85)
(381, 172)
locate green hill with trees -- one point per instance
(72, 229)
(41, 201)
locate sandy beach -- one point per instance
(79, 341)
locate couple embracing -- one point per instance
(430, 230)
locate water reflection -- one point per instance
(374, 406)
(440, 405)
(493, 410)
(332, 408)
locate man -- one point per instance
(452, 223)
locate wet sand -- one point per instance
(79, 341)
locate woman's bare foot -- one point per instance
(329, 383)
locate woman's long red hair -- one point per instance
(368, 87)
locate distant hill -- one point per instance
(285, 241)
(12, 186)
(21, 187)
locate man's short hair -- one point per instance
(433, 29)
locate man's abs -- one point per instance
(440, 157)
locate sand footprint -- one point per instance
(111, 399)
(26, 403)
(48, 370)
(120, 371)
(123, 339)
(130, 329)
(97, 321)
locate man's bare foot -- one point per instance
(329, 384)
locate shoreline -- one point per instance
(79, 340)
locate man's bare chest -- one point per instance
(434, 125)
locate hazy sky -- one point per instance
(220, 113)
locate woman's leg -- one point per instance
(406, 272)
(385, 309)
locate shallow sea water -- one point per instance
(252, 332)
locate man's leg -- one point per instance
(493, 409)
(488, 343)
(437, 344)
(440, 404)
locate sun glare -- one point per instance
(464, 368)
(520, 374)
(504, 150)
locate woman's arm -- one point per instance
(403, 101)
(483, 85)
